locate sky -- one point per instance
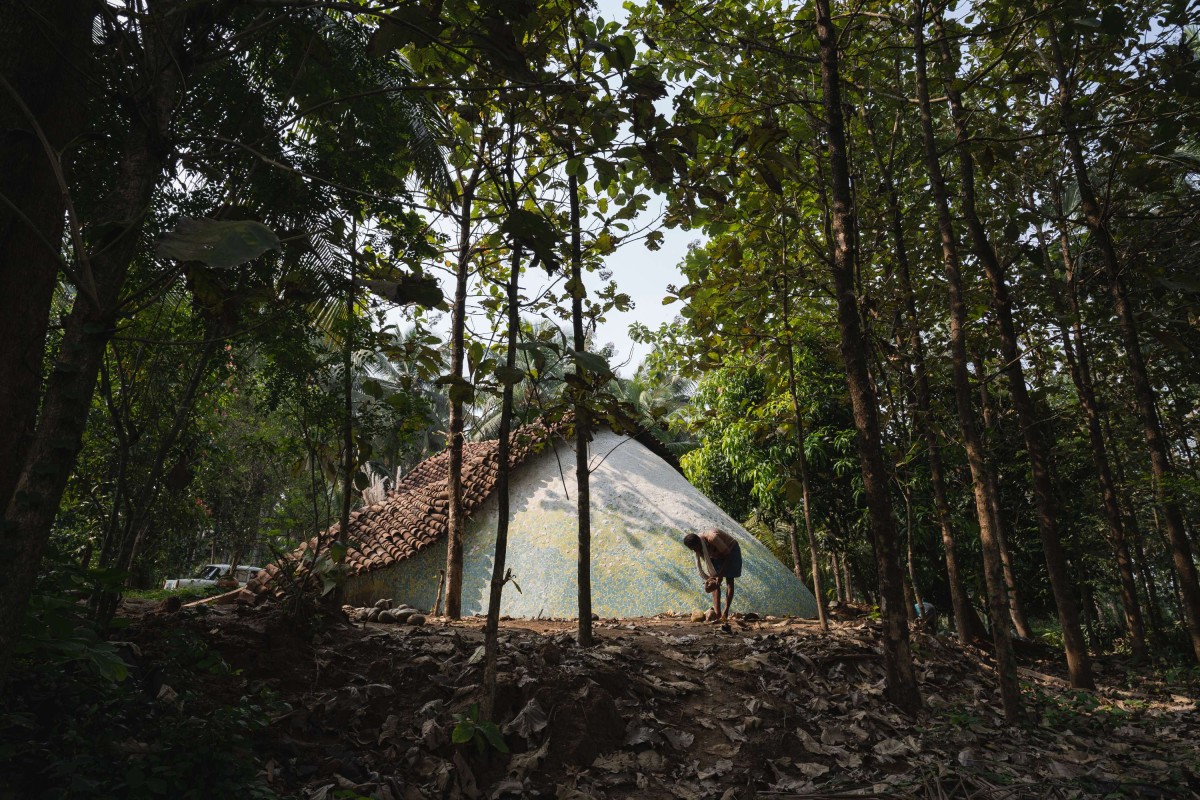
(638, 272)
(644, 276)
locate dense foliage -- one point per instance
(938, 336)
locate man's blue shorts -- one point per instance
(734, 570)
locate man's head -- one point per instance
(692, 542)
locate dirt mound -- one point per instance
(667, 708)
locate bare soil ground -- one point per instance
(667, 708)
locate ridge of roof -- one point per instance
(415, 513)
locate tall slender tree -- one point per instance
(1010, 689)
(901, 679)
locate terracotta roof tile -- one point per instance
(415, 513)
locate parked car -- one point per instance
(212, 574)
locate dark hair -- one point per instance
(692, 541)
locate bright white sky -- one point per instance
(638, 272)
(643, 275)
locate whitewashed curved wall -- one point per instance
(641, 509)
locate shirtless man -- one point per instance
(718, 557)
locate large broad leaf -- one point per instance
(533, 231)
(509, 376)
(421, 290)
(591, 362)
(217, 243)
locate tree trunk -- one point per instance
(1078, 362)
(454, 489)
(348, 398)
(1129, 517)
(137, 518)
(794, 544)
(1032, 429)
(43, 58)
(837, 578)
(924, 415)
(582, 426)
(146, 152)
(1160, 465)
(901, 686)
(1004, 532)
(1010, 689)
(491, 633)
(802, 463)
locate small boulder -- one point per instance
(416, 619)
(385, 603)
(697, 616)
(373, 614)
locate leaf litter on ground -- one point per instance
(666, 708)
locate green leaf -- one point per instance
(220, 244)
(421, 290)
(372, 388)
(337, 551)
(794, 490)
(493, 736)
(462, 732)
(406, 24)
(625, 50)
(462, 393)
(533, 231)
(510, 376)
(591, 362)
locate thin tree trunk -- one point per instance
(348, 396)
(916, 607)
(456, 521)
(1134, 528)
(1010, 689)
(1004, 532)
(901, 685)
(1033, 431)
(491, 633)
(837, 578)
(582, 427)
(1078, 361)
(802, 463)
(924, 415)
(1160, 466)
(137, 520)
(847, 579)
(794, 544)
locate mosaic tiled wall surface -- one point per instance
(641, 508)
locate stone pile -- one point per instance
(385, 611)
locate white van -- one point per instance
(211, 574)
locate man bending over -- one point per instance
(718, 557)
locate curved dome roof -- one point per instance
(641, 509)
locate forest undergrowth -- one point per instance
(219, 702)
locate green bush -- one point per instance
(83, 717)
